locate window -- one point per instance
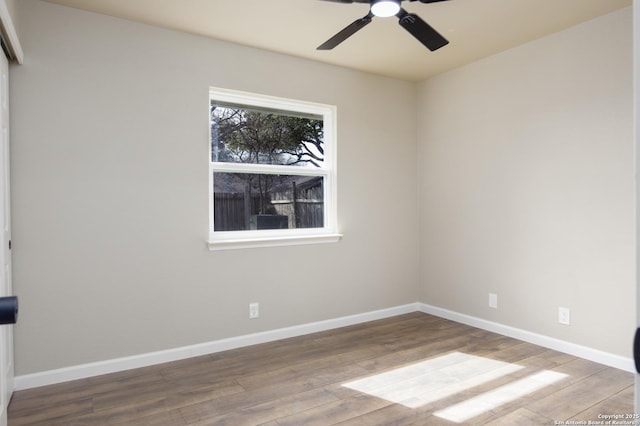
(272, 171)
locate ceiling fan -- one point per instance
(411, 22)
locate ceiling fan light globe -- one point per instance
(385, 8)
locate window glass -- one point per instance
(253, 201)
(243, 135)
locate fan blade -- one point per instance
(347, 32)
(421, 30)
(421, 1)
(358, 1)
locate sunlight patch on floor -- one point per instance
(488, 401)
(428, 381)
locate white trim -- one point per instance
(595, 355)
(10, 34)
(272, 241)
(273, 169)
(239, 97)
(82, 371)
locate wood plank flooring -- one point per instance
(434, 369)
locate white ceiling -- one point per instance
(475, 28)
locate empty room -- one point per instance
(318, 212)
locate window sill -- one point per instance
(273, 241)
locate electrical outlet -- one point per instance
(493, 300)
(564, 316)
(254, 310)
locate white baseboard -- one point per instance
(82, 371)
(590, 354)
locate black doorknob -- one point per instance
(8, 310)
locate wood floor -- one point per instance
(433, 368)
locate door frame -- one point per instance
(12, 52)
(636, 142)
(13, 48)
(6, 289)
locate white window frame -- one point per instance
(224, 240)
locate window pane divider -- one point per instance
(268, 169)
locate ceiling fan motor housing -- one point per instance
(385, 8)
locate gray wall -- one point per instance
(520, 183)
(110, 205)
(527, 186)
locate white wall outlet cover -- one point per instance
(254, 310)
(564, 316)
(493, 300)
